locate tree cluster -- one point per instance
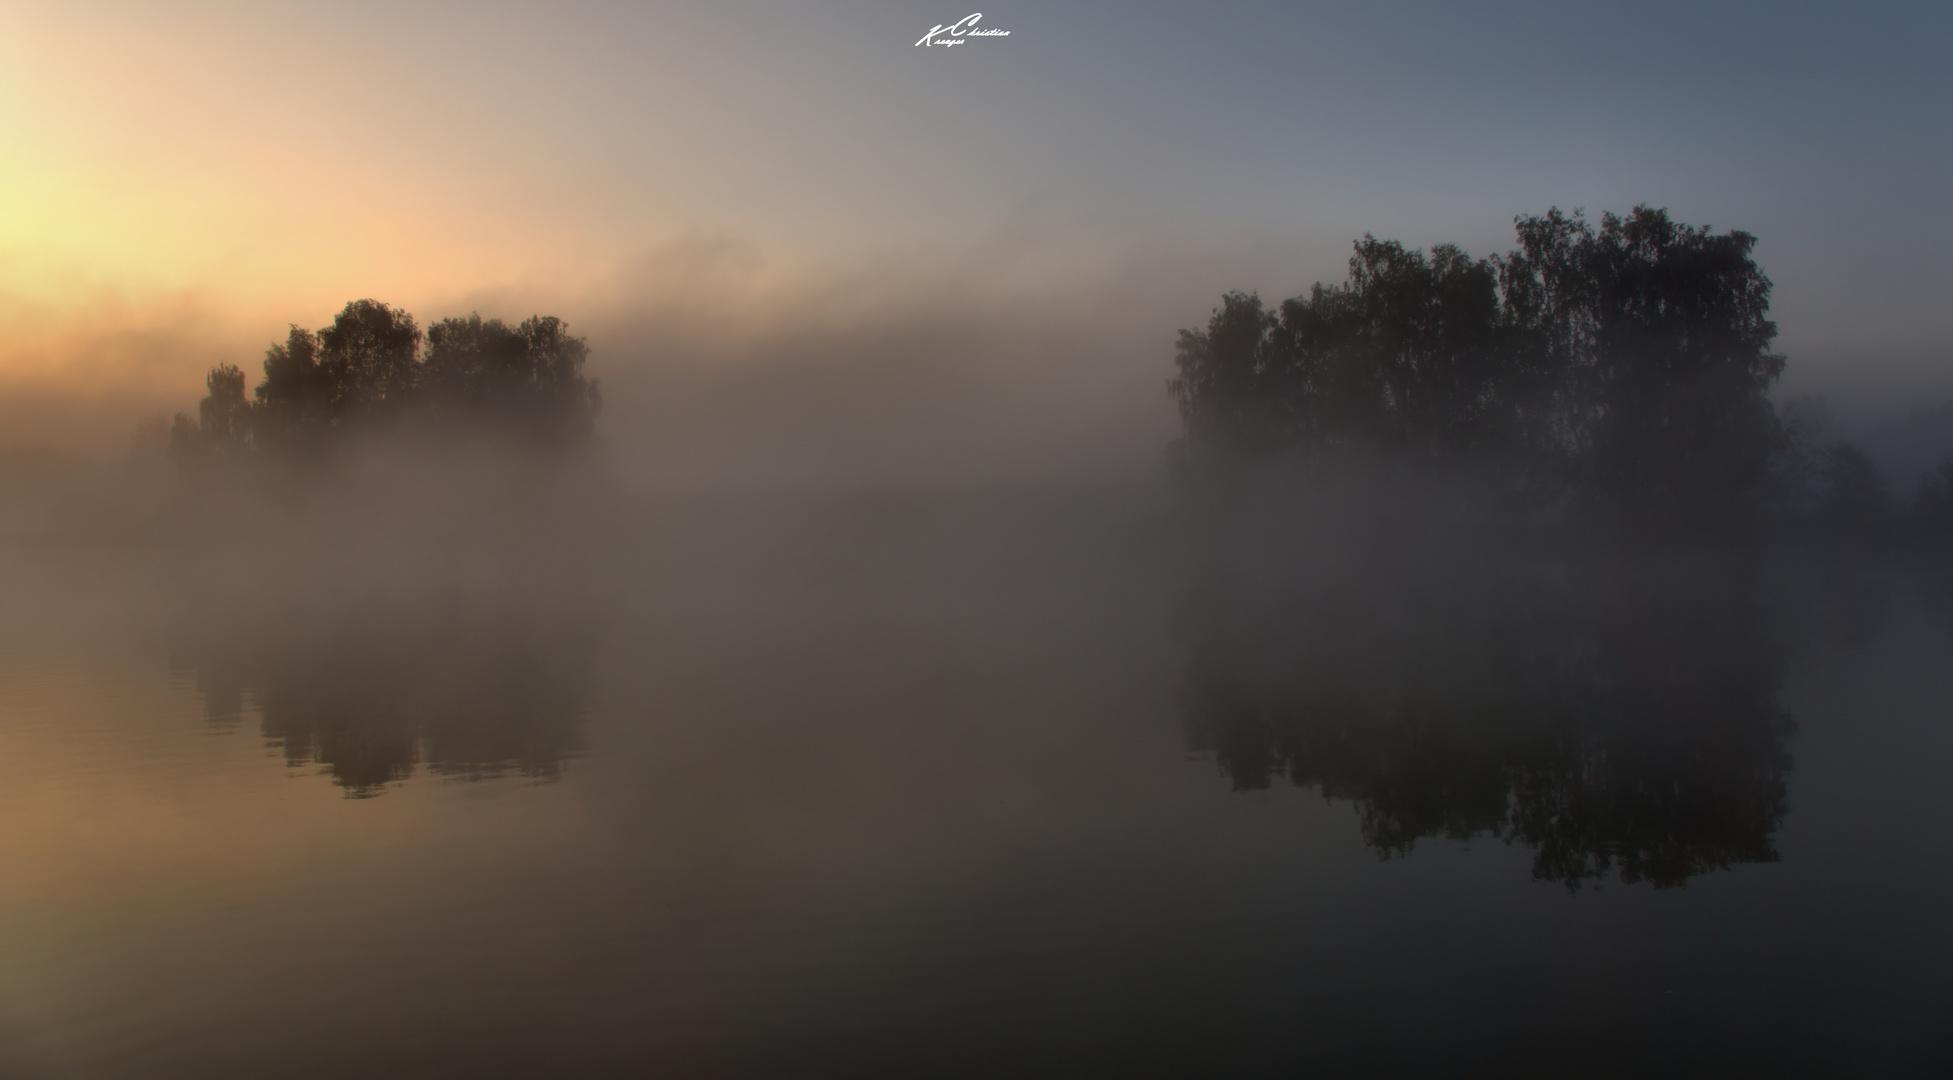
(1627, 361)
(373, 368)
(1607, 694)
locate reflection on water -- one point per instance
(372, 693)
(898, 786)
(1612, 714)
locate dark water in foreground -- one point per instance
(895, 785)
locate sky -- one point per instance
(921, 258)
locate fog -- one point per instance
(489, 768)
(714, 540)
(894, 674)
(1037, 355)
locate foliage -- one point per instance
(528, 377)
(1629, 361)
(373, 368)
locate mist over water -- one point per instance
(482, 782)
(714, 540)
(363, 727)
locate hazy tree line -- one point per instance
(1627, 366)
(375, 369)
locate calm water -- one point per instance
(941, 785)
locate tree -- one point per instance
(525, 383)
(1630, 361)
(367, 359)
(1660, 331)
(293, 399)
(1226, 397)
(1413, 357)
(222, 430)
(1409, 357)
(528, 379)
(224, 416)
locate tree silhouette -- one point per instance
(222, 430)
(293, 410)
(367, 359)
(1412, 356)
(1660, 332)
(1629, 363)
(526, 379)
(368, 370)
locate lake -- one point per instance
(920, 783)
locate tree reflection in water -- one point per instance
(457, 686)
(1617, 712)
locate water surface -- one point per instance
(939, 783)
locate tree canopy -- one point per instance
(1629, 360)
(374, 367)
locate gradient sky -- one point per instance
(179, 181)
